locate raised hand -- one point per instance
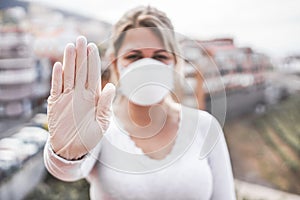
(78, 111)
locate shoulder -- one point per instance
(203, 117)
(207, 128)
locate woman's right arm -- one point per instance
(78, 111)
(69, 170)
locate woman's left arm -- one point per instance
(219, 161)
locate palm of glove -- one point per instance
(78, 112)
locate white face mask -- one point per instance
(146, 82)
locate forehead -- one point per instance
(140, 38)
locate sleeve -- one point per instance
(219, 161)
(67, 170)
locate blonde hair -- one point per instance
(157, 21)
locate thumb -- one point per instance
(104, 105)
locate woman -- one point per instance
(158, 156)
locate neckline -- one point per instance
(140, 151)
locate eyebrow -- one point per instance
(160, 50)
(133, 50)
(139, 51)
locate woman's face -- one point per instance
(142, 43)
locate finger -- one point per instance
(56, 86)
(81, 62)
(69, 67)
(94, 68)
(104, 105)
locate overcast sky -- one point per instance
(269, 26)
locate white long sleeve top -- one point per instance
(198, 166)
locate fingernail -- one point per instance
(110, 86)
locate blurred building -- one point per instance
(33, 37)
(218, 65)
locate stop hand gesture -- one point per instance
(78, 111)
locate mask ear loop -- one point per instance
(121, 69)
(178, 82)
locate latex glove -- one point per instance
(78, 112)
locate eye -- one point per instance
(132, 57)
(160, 57)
